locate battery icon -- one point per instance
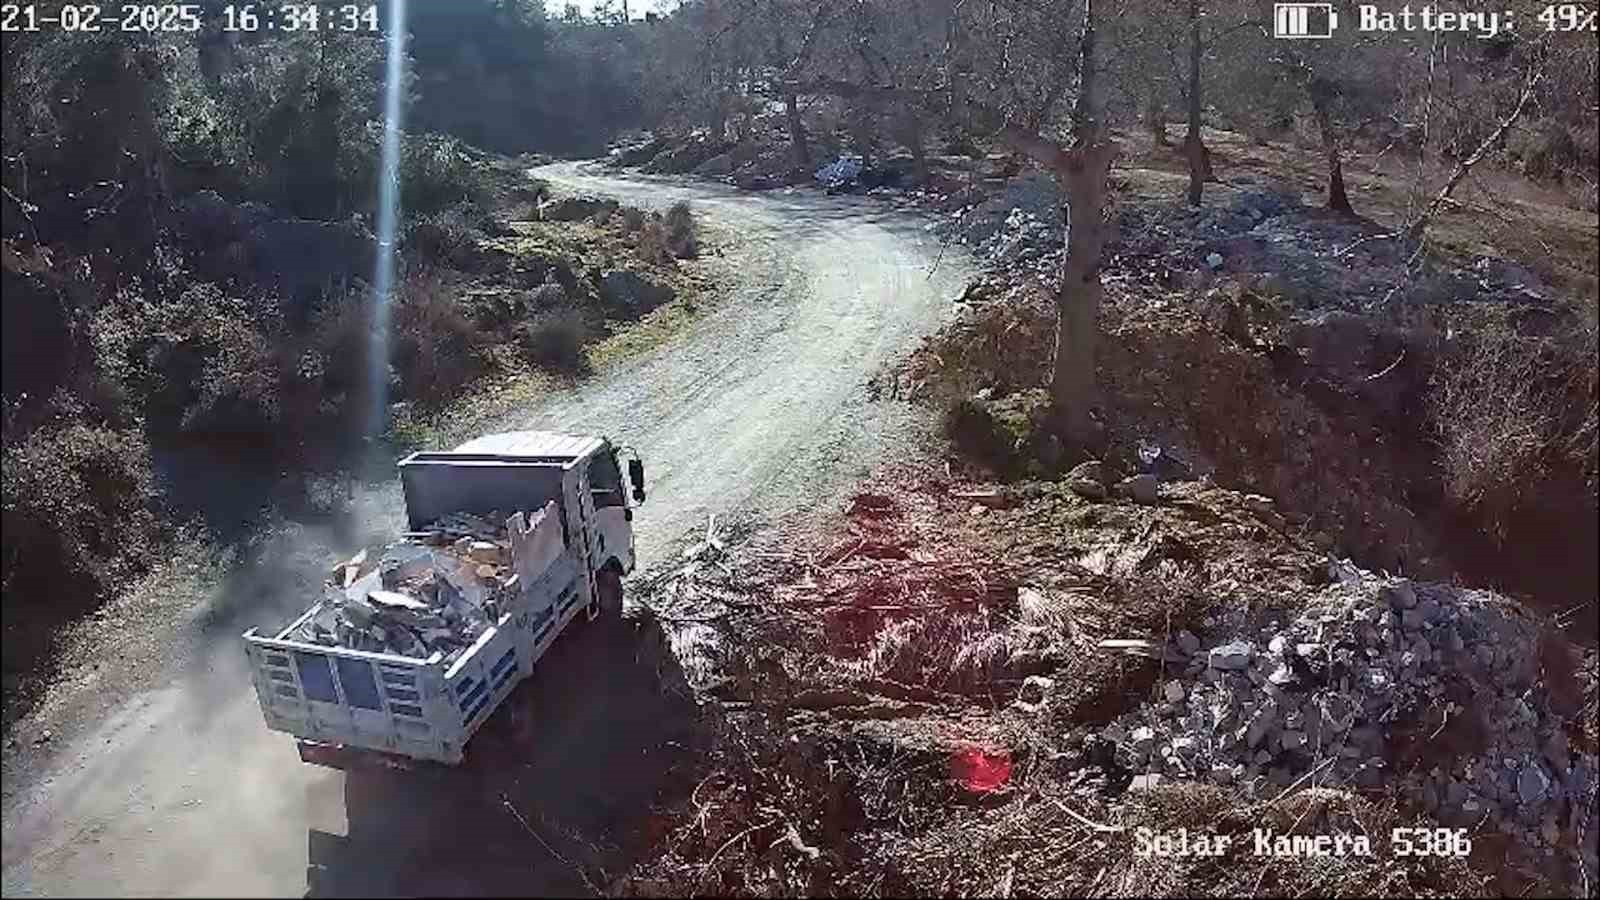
(1303, 21)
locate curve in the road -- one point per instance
(761, 407)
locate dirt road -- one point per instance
(760, 408)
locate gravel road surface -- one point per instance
(758, 409)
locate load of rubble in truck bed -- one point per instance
(437, 590)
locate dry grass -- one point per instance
(1510, 409)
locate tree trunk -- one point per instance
(797, 130)
(1321, 96)
(911, 135)
(1193, 148)
(1082, 173)
(1073, 389)
(1155, 119)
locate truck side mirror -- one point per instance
(636, 475)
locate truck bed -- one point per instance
(414, 708)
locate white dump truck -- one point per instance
(411, 649)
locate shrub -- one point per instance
(682, 240)
(449, 237)
(436, 173)
(554, 339)
(1511, 411)
(77, 516)
(200, 362)
(653, 245)
(633, 219)
(437, 350)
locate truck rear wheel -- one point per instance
(608, 581)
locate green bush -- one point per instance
(77, 516)
(438, 172)
(653, 245)
(554, 339)
(682, 240)
(449, 237)
(436, 348)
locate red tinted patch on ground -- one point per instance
(981, 771)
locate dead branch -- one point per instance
(1415, 228)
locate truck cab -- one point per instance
(603, 496)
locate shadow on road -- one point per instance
(602, 733)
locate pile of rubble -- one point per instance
(1318, 260)
(1430, 689)
(436, 591)
(1021, 225)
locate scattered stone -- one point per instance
(631, 294)
(1366, 662)
(1088, 480)
(1555, 750)
(1089, 490)
(1034, 692)
(1399, 594)
(1231, 657)
(1144, 782)
(1257, 504)
(1091, 470)
(1174, 691)
(1532, 784)
(1188, 643)
(1550, 831)
(571, 209)
(1143, 488)
(1258, 729)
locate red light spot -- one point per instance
(981, 771)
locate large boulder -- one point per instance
(630, 294)
(572, 209)
(685, 157)
(635, 154)
(716, 167)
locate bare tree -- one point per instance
(1081, 167)
(1194, 149)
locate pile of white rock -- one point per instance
(1430, 689)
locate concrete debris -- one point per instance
(1335, 692)
(1088, 490)
(435, 592)
(1138, 647)
(1088, 480)
(1231, 657)
(840, 172)
(1035, 692)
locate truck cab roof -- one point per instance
(532, 444)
